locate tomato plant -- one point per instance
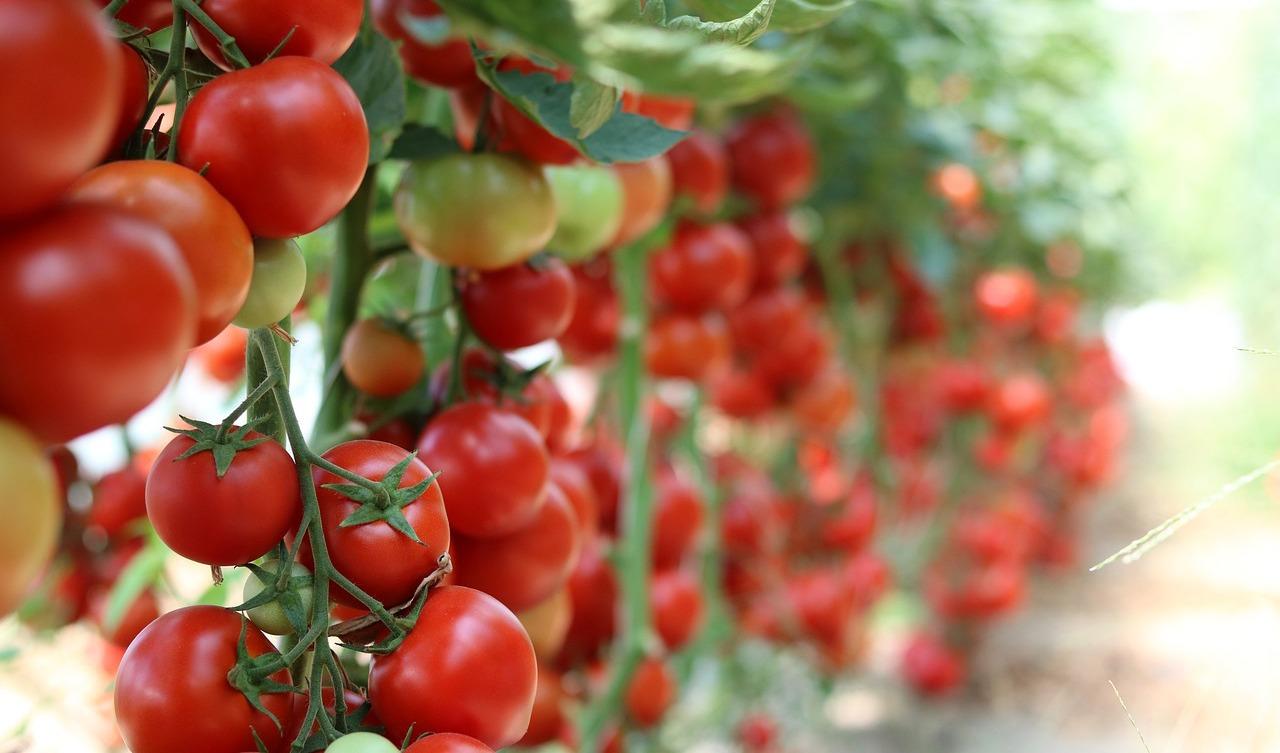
(320, 30)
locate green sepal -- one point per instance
(387, 502)
(241, 676)
(204, 437)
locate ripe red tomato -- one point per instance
(59, 115)
(172, 692)
(380, 360)
(757, 732)
(705, 267)
(214, 242)
(448, 742)
(577, 488)
(467, 667)
(675, 113)
(544, 724)
(378, 559)
(646, 194)
(700, 171)
(319, 29)
(520, 305)
(930, 666)
(145, 14)
(448, 63)
(33, 513)
(141, 612)
(676, 601)
(852, 528)
(1020, 402)
(493, 468)
(958, 185)
(741, 393)
(767, 320)
(772, 158)
(286, 142)
(223, 356)
(482, 382)
(868, 577)
(679, 346)
(133, 95)
(527, 566)
(650, 693)
(1007, 296)
(223, 521)
(593, 327)
(677, 519)
(822, 405)
(602, 464)
(593, 590)
(798, 359)
(963, 384)
(779, 254)
(119, 500)
(101, 309)
(519, 134)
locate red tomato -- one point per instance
(963, 384)
(798, 359)
(56, 117)
(602, 465)
(767, 319)
(145, 14)
(675, 113)
(101, 310)
(172, 692)
(646, 194)
(577, 488)
(958, 185)
(822, 603)
(527, 566)
(544, 724)
(593, 328)
(700, 171)
(823, 405)
(1019, 402)
(561, 423)
(705, 267)
(548, 624)
(380, 360)
(930, 666)
(677, 519)
(448, 63)
(520, 305)
(679, 346)
(520, 134)
(779, 254)
(229, 520)
(319, 29)
(133, 95)
(852, 528)
(448, 742)
(741, 393)
(378, 559)
(593, 590)
(757, 732)
(487, 380)
(214, 242)
(223, 356)
(493, 468)
(141, 612)
(119, 501)
(650, 693)
(467, 667)
(1007, 296)
(676, 601)
(772, 158)
(286, 142)
(868, 576)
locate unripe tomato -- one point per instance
(705, 267)
(286, 142)
(448, 63)
(779, 254)
(214, 242)
(100, 339)
(362, 742)
(493, 468)
(650, 693)
(521, 305)
(772, 158)
(679, 346)
(448, 742)
(270, 617)
(380, 360)
(60, 100)
(588, 209)
(466, 667)
(446, 207)
(145, 14)
(1007, 296)
(33, 513)
(700, 171)
(319, 29)
(676, 602)
(547, 624)
(646, 194)
(278, 282)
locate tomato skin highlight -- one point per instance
(318, 29)
(520, 305)
(285, 142)
(33, 513)
(467, 667)
(229, 520)
(60, 101)
(99, 311)
(213, 240)
(172, 692)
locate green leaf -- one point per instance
(418, 142)
(142, 571)
(742, 30)
(654, 12)
(790, 15)
(591, 105)
(373, 69)
(551, 26)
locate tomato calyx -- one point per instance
(252, 676)
(384, 500)
(282, 588)
(223, 440)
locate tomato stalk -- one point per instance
(226, 42)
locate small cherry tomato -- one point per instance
(380, 360)
(700, 171)
(650, 693)
(705, 267)
(446, 62)
(278, 282)
(772, 158)
(521, 305)
(588, 209)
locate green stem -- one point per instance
(113, 8)
(265, 413)
(225, 41)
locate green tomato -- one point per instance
(589, 209)
(32, 513)
(482, 211)
(362, 742)
(279, 279)
(270, 617)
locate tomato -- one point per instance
(778, 252)
(229, 520)
(1020, 402)
(493, 468)
(757, 732)
(446, 207)
(677, 518)
(145, 14)
(278, 282)
(527, 566)
(852, 528)
(825, 403)
(593, 328)
(133, 95)
(868, 577)
(270, 617)
(466, 667)
(214, 242)
(100, 339)
(676, 602)
(705, 267)
(577, 488)
(1007, 296)
(142, 611)
(362, 742)
(485, 379)
(772, 159)
(223, 356)
(378, 559)
(1056, 317)
(650, 693)
(646, 194)
(679, 346)
(447, 62)
(958, 185)
(119, 503)
(741, 393)
(930, 666)
(798, 359)
(520, 305)
(520, 134)
(448, 743)
(602, 465)
(33, 513)
(767, 319)
(544, 724)
(675, 113)
(380, 360)
(700, 171)
(286, 142)
(589, 202)
(58, 116)
(319, 29)
(963, 384)
(547, 624)
(172, 691)
(593, 590)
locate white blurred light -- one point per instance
(1176, 6)
(1178, 351)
